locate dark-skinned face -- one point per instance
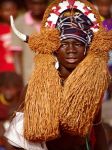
(70, 53)
(9, 92)
(37, 8)
(7, 9)
(104, 7)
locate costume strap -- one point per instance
(98, 123)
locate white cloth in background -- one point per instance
(110, 58)
(14, 134)
(107, 112)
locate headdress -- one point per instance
(75, 105)
(75, 25)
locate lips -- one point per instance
(71, 60)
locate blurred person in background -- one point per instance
(27, 23)
(108, 24)
(11, 85)
(105, 8)
(7, 8)
(9, 89)
(107, 105)
(107, 120)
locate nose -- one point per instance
(71, 48)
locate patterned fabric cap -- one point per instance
(76, 26)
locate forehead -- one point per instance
(71, 40)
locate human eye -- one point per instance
(78, 44)
(63, 44)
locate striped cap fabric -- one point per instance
(75, 26)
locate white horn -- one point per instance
(22, 36)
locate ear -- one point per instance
(87, 49)
(56, 52)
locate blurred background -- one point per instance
(16, 59)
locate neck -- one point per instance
(64, 72)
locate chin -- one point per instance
(71, 66)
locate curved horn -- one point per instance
(22, 36)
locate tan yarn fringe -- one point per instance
(82, 95)
(102, 41)
(84, 89)
(45, 42)
(42, 101)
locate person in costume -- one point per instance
(11, 85)
(108, 24)
(64, 95)
(104, 7)
(27, 22)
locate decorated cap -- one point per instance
(75, 25)
(48, 105)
